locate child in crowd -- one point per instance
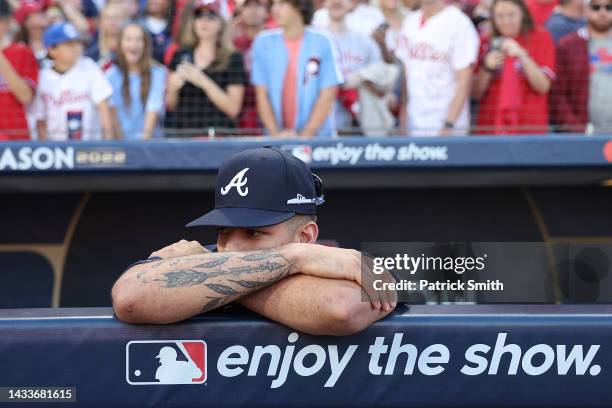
(72, 99)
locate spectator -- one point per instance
(54, 15)
(72, 11)
(158, 22)
(103, 49)
(388, 36)
(516, 70)
(481, 17)
(206, 83)
(362, 17)
(438, 48)
(541, 10)
(583, 91)
(32, 21)
(18, 79)
(131, 8)
(568, 19)
(138, 85)
(251, 21)
(295, 61)
(356, 52)
(72, 98)
(394, 17)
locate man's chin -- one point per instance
(601, 28)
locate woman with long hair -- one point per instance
(207, 79)
(33, 22)
(103, 49)
(515, 72)
(138, 85)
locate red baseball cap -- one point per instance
(25, 9)
(211, 5)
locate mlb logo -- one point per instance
(159, 362)
(302, 152)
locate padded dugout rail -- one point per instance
(443, 356)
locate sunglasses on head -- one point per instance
(597, 7)
(318, 183)
(208, 14)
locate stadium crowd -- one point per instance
(137, 69)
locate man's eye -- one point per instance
(255, 233)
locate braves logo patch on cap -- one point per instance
(262, 187)
(238, 181)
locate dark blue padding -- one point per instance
(27, 280)
(36, 218)
(86, 349)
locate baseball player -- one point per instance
(265, 258)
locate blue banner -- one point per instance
(442, 356)
(340, 153)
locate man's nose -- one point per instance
(235, 241)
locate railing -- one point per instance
(443, 356)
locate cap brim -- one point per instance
(240, 218)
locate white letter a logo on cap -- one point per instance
(238, 181)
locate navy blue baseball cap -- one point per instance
(60, 33)
(262, 187)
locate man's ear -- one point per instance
(308, 233)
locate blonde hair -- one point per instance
(188, 39)
(102, 44)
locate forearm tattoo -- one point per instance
(227, 274)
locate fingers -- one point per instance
(377, 286)
(181, 248)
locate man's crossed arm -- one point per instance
(311, 288)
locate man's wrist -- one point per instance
(294, 253)
(449, 124)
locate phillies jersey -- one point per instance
(68, 102)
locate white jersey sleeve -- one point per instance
(465, 43)
(101, 88)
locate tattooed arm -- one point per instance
(174, 289)
(315, 305)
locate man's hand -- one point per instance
(339, 263)
(181, 248)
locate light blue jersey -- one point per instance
(318, 68)
(132, 118)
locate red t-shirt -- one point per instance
(290, 85)
(533, 116)
(13, 123)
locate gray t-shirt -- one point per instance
(600, 89)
